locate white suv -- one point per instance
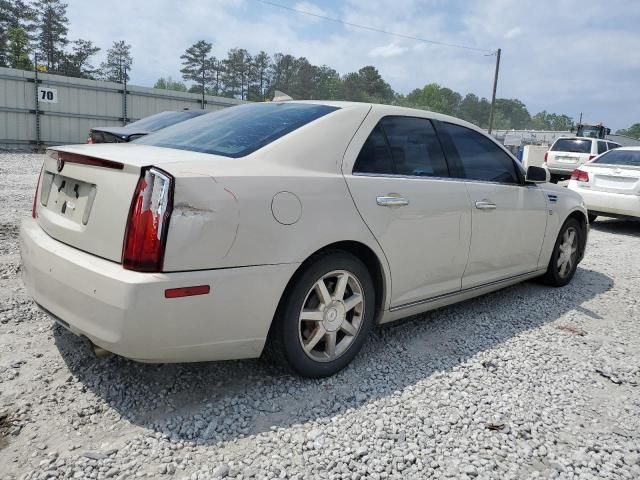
(568, 153)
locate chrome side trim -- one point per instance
(462, 291)
(441, 179)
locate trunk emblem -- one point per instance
(60, 164)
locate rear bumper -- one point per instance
(602, 203)
(126, 312)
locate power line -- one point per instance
(373, 29)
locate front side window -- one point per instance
(403, 146)
(237, 131)
(480, 158)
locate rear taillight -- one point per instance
(546, 155)
(34, 212)
(579, 175)
(89, 140)
(148, 223)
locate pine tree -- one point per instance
(16, 14)
(18, 49)
(52, 32)
(118, 64)
(197, 65)
(77, 62)
(259, 77)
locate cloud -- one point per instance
(387, 51)
(547, 62)
(310, 8)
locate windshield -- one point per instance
(620, 157)
(160, 120)
(237, 131)
(571, 145)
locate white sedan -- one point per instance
(610, 184)
(292, 225)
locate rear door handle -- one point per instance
(485, 205)
(391, 201)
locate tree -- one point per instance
(18, 49)
(52, 32)
(259, 77)
(514, 113)
(170, 84)
(374, 86)
(77, 62)
(633, 131)
(436, 98)
(237, 66)
(197, 66)
(328, 84)
(475, 110)
(15, 14)
(118, 64)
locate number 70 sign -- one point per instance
(47, 95)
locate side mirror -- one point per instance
(537, 175)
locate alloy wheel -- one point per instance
(331, 315)
(567, 252)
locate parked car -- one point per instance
(610, 184)
(568, 153)
(142, 127)
(299, 225)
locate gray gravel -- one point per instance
(529, 382)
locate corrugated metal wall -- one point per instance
(81, 104)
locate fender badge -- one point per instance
(60, 164)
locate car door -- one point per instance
(509, 217)
(399, 179)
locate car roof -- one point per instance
(384, 109)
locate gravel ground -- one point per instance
(529, 382)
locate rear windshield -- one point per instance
(620, 157)
(237, 131)
(159, 120)
(571, 145)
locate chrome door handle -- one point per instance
(485, 205)
(389, 201)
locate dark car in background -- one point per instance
(141, 127)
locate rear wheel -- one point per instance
(325, 317)
(592, 217)
(566, 252)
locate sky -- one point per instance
(560, 56)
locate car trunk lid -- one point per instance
(85, 193)
(614, 179)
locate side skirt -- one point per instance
(421, 306)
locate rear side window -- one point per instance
(613, 145)
(237, 131)
(602, 147)
(480, 158)
(403, 146)
(572, 145)
(620, 157)
(375, 156)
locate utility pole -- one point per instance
(495, 87)
(37, 111)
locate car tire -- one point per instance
(318, 331)
(592, 217)
(566, 254)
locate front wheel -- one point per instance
(325, 316)
(564, 258)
